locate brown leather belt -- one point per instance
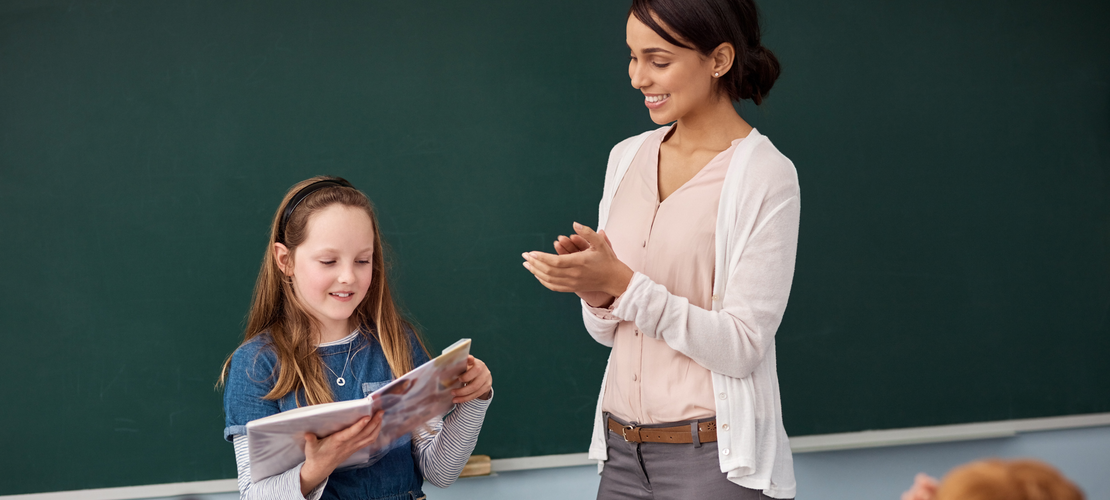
(707, 433)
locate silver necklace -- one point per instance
(339, 380)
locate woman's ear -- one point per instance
(722, 57)
(281, 256)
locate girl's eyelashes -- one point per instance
(327, 262)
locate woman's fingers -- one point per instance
(552, 261)
(574, 241)
(592, 238)
(540, 265)
(567, 246)
(555, 267)
(579, 241)
(589, 269)
(554, 287)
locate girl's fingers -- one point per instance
(369, 433)
(469, 375)
(478, 380)
(472, 392)
(354, 429)
(475, 368)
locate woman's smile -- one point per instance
(654, 101)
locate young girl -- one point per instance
(691, 284)
(323, 327)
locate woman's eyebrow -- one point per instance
(653, 50)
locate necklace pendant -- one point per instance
(340, 381)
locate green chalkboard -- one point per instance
(954, 263)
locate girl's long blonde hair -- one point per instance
(276, 310)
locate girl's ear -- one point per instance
(281, 256)
(722, 57)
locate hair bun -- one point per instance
(761, 69)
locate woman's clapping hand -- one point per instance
(585, 264)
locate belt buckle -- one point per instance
(624, 430)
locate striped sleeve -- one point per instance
(443, 450)
(284, 486)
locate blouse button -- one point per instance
(645, 244)
(724, 427)
(633, 377)
(715, 298)
(724, 452)
(722, 395)
(635, 333)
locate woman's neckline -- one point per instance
(659, 199)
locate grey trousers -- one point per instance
(665, 471)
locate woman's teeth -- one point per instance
(344, 295)
(656, 98)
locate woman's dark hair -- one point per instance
(706, 24)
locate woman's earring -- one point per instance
(716, 74)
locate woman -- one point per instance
(688, 276)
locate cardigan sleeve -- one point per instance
(733, 340)
(600, 322)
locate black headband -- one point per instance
(301, 195)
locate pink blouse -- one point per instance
(671, 242)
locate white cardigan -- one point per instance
(756, 242)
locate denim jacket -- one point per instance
(253, 373)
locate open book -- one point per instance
(276, 442)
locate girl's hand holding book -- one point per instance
(477, 382)
(323, 455)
